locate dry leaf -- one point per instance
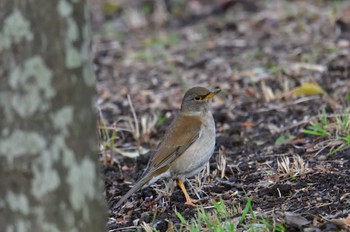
(308, 88)
(313, 67)
(347, 221)
(267, 92)
(342, 198)
(296, 219)
(248, 124)
(132, 153)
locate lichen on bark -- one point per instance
(30, 143)
(16, 28)
(31, 87)
(48, 158)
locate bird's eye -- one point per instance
(197, 98)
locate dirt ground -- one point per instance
(258, 52)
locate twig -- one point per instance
(135, 118)
(125, 228)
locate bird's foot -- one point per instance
(191, 202)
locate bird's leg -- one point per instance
(189, 200)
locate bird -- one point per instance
(186, 147)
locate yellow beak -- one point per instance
(212, 93)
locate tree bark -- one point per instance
(49, 178)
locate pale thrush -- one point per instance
(186, 146)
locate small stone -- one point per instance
(135, 222)
(343, 44)
(161, 225)
(145, 217)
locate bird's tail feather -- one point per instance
(136, 187)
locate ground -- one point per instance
(283, 67)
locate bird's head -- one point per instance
(196, 100)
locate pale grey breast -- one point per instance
(198, 154)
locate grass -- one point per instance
(318, 127)
(163, 40)
(218, 220)
(140, 128)
(110, 141)
(222, 218)
(333, 129)
(297, 167)
(284, 138)
(161, 119)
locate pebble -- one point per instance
(145, 217)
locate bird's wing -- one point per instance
(179, 137)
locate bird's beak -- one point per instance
(212, 93)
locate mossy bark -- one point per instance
(49, 177)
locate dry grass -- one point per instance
(292, 169)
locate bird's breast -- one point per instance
(198, 154)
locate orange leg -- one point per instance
(189, 200)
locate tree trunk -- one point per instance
(49, 179)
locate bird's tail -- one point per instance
(136, 187)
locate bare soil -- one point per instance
(258, 52)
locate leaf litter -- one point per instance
(280, 64)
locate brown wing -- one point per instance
(180, 135)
